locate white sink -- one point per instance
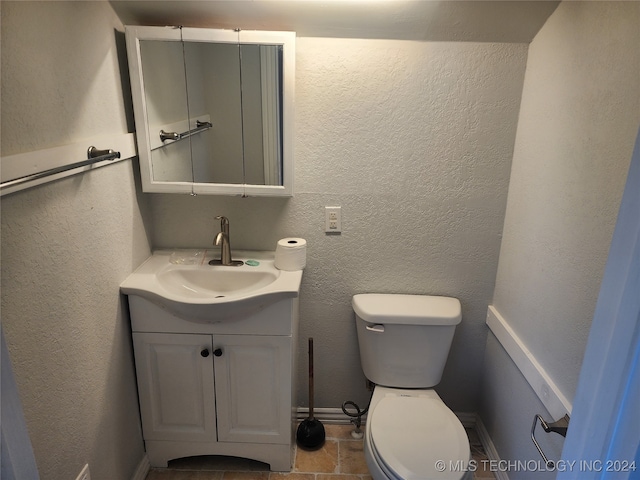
(212, 293)
(205, 282)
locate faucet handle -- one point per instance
(219, 239)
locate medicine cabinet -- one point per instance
(213, 109)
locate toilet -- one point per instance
(404, 342)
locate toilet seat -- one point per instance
(409, 434)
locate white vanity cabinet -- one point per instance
(175, 386)
(221, 388)
(253, 377)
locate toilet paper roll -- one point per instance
(291, 254)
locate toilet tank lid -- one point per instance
(407, 309)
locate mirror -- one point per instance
(213, 110)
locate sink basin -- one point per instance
(207, 282)
(205, 293)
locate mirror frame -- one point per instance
(286, 39)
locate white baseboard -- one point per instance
(143, 469)
(489, 448)
(333, 416)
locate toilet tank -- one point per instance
(405, 339)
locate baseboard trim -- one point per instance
(489, 448)
(143, 469)
(333, 416)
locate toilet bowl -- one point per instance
(413, 435)
(410, 433)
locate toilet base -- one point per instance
(376, 467)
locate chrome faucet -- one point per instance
(222, 240)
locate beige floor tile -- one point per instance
(351, 455)
(169, 474)
(331, 476)
(482, 467)
(245, 476)
(481, 474)
(324, 460)
(208, 476)
(292, 476)
(340, 432)
(155, 474)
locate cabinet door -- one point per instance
(175, 385)
(253, 388)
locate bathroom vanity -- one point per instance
(220, 383)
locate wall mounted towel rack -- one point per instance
(94, 155)
(560, 427)
(24, 170)
(175, 136)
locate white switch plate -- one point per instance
(333, 219)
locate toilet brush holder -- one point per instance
(310, 434)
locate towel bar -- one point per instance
(94, 155)
(561, 426)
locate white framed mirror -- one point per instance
(213, 109)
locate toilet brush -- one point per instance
(310, 435)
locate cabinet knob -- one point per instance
(205, 353)
(217, 352)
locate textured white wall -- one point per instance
(67, 245)
(579, 117)
(58, 82)
(414, 140)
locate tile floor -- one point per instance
(341, 458)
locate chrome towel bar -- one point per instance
(94, 155)
(175, 136)
(560, 427)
